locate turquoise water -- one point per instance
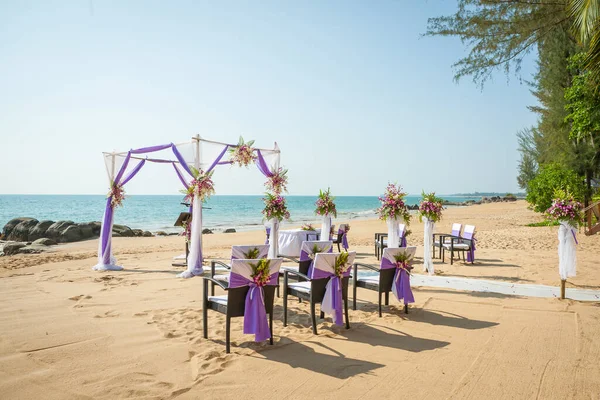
(160, 212)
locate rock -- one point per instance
(39, 231)
(115, 235)
(123, 230)
(137, 232)
(10, 225)
(147, 234)
(33, 249)
(44, 242)
(87, 230)
(173, 234)
(71, 234)
(12, 248)
(21, 231)
(96, 227)
(56, 229)
(206, 231)
(161, 233)
(229, 230)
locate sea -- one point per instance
(159, 212)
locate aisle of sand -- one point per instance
(68, 332)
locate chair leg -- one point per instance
(339, 250)
(227, 334)
(212, 289)
(205, 310)
(271, 327)
(354, 295)
(387, 298)
(285, 296)
(322, 315)
(406, 308)
(313, 316)
(346, 312)
(379, 304)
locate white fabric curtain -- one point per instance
(325, 227)
(567, 256)
(393, 239)
(429, 226)
(194, 265)
(274, 238)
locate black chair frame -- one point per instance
(236, 304)
(457, 240)
(384, 286)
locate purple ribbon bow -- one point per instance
(401, 286)
(255, 314)
(333, 301)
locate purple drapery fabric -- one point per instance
(255, 314)
(344, 238)
(181, 159)
(401, 286)
(403, 241)
(471, 252)
(304, 256)
(152, 149)
(333, 292)
(268, 231)
(216, 162)
(262, 165)
(180, 176)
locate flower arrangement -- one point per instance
(243, 154)
(187, 230)
(314, 251)
(202, 185)
(325, 204)
(307, 227)
(275, 207)
(252, 254)
(278, 182)
(340, 265)
(430, 207)
(392, 204)
(565, 208)
(118, 195)
(261, 272)
(404, 261)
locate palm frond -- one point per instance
(586, 14)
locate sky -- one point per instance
(351, 91)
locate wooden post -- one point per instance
(562, 288)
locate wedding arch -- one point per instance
(193, 162)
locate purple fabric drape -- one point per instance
(401, 286)
(471, 252)
(344, 238)
(333, 293)
(106, 232)
(262, 165)
(304, 256)
(181, 159)
(403, 241)
(268, 231)
(133, 172)
(214, 164)
(151, 149)
(255, 313)
(180, 176)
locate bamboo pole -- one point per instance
(562, 288)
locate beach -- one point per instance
(70, 332)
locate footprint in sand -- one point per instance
(108, 314)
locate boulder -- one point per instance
(137, 232)
(56, 229)
(44, 242)
(206, 231)
(12, 248)
(147, 234)
(96, 227)
(10, 225)
(86, 230)
(229, 230)
(123, 231)
(73, 233)
(32, 249)
(21, 231)
(39, 231)
(161, 233)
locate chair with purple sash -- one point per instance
(393, 275)
(445, 238)
(341, 238)
(250, 293)
(464, 243)
(381, 240)
(237, 252)
(327, 285)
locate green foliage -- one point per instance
(499, 33)
(528, 169)
(551, 178)
(544, 223)
(252, 254)
(586, 21)
(582, 102)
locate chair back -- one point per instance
(386, 275)
(456, 229)
(323, 271)
(469, 232)
(243, 252)
(307, 254)
(236, 297)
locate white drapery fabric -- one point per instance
(194, 264)
(325, 227)
(427, 243)
(274, 239)
(567, 252)
(393, 239)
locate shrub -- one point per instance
(553, 177)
